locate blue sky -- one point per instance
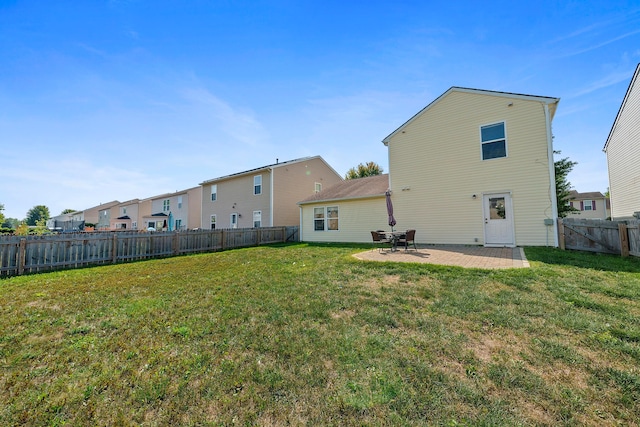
(106, 100)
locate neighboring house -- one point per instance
(129, 215)
(265, 196)
(175, 211)
(623, 155)
(63, 222)
(345, 212)
(592, 205)
(92, 215)
(473, 167)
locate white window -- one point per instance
(326, 218)
(179, 202)
(257, 219)
(257, 184)
(318, 219)
(123, 211)
(318, 187)
(494, 141)
(589, 205)
(134, 225)
(178, 224)
(214, 192)
(213, 222)
(165, 205)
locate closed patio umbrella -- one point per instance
(392, 220)
(171, 222)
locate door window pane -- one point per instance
(497, 208)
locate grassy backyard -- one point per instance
(308, 335)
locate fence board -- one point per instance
(33, 254)
(600, 236)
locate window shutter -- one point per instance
(593, 203)
(581, 205)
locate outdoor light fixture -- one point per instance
(474, 196)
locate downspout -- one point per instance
(552, 175)
(271, 197)
(300, 227)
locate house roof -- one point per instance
(267, 167)
(552, 102)
(590, 195)
(360, 188)
(624, 102)
(124, 217)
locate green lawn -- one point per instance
(308, 335)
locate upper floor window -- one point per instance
(123, 211)
(318, 187)
(494, 141)
(165, 205)
(257, 184)
(179, 202)
(214, 192)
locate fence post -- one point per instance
(561, 234)
(222, 238)
(114, 247)
(176, 243)
(624, 239)
(22, 256)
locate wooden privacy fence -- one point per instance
(594, 235)
(34, 254)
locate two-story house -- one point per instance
(264, 196)
(473, 167)
(590, 205)
(175, 211)
(623, 154)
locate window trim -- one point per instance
(257, 188)
(259, 215)
(326, 220)
(213, 221)
(166, 205)
(318, 187)
(214, 192)
(493, 141)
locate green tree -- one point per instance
(66, 211)
(563, 167)
(1, 214)
(10, 223)
(363, 170)
(37, 213)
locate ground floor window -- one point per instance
(326, 218)
(257, 219)
(213, 222)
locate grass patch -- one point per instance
(306, 334)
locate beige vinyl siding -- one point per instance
(238, 192)
(437, 161)
(295, 182)
(623, 158)
(356, 220)
(194, 205)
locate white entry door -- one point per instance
(498, 220)
(234, 220)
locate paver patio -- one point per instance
(462, 256)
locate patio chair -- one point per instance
(380, 241)
(408, 238)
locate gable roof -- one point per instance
(590, 195)
(267, 167)
(360, 188)
(624, 102)
(552, 102)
